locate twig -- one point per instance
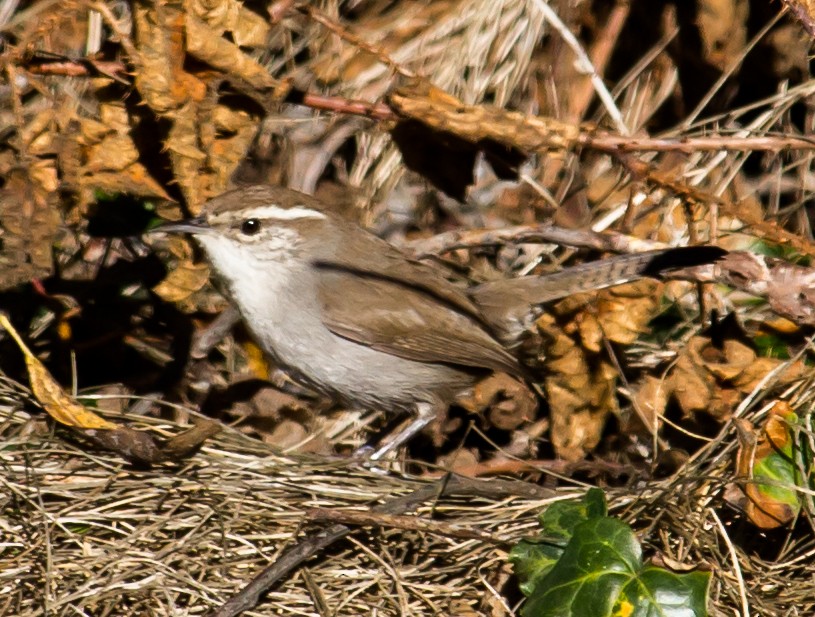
(279, 9)
(411, 523)
(520, 234)
(600, 56)
(377, 111)
(800, 12)
(688, 145)
(313, 543)
(734, 557)
(124, 39)
(585, 65)
(606, 142)
(342, 32)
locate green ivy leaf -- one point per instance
(532, 560)
(587, 563)
(560, 519)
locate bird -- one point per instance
(355, 319)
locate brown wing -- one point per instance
(407, 322)
(357, 250)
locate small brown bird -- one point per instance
(352, 317)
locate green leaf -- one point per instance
(560, 519)
(660, 593)
(532, 560)
(592, 566)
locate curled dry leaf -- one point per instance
(788, 288)
(619, 314)
(207, 45)
(714, 380)
(182, 282)
(770, 464)
(247, 28)
(101, 155)
(166, 35)
(50, 394)
(477, 123)
(579, 390)
(507, 402)
(650, 400)
(581, 383)
(710, 379)
(28, 223)
(723, 30)
(137, 446)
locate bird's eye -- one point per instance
(250, 227)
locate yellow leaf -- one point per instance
(50, 394)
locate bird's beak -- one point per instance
(197, 225)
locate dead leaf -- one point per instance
(580, 393)
(619, 314)
(769, 463)
(28, 223)
(50, 394)
(723, 30)
(182, 282)
(247, 28)
(134, 445)
(508, 403)
(713, 381)
(650, 400)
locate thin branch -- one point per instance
(395, 521)
(709, 143)
(527, 234)
(585, 65)
(343, 32)
(315, 542)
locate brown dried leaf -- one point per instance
(132, 444)
(114, 152)
(28, 223)
(247, 28)
(188, 160)
(475, 123)
(207, 45)
(100, 155)
(286, 434)
(769, 454)
(439, 136)
(160, 37)
(712, 380)
(235, 130)
(186, 279)
(580, 393)
(620, 314)
(650, 400)
(186, 443)
(459, 460)
(508, 403)
(50, 394)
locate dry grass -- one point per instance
(83, 533)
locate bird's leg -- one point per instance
(426, 413)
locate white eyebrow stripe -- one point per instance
(281, 214)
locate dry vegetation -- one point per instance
(505, 137)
